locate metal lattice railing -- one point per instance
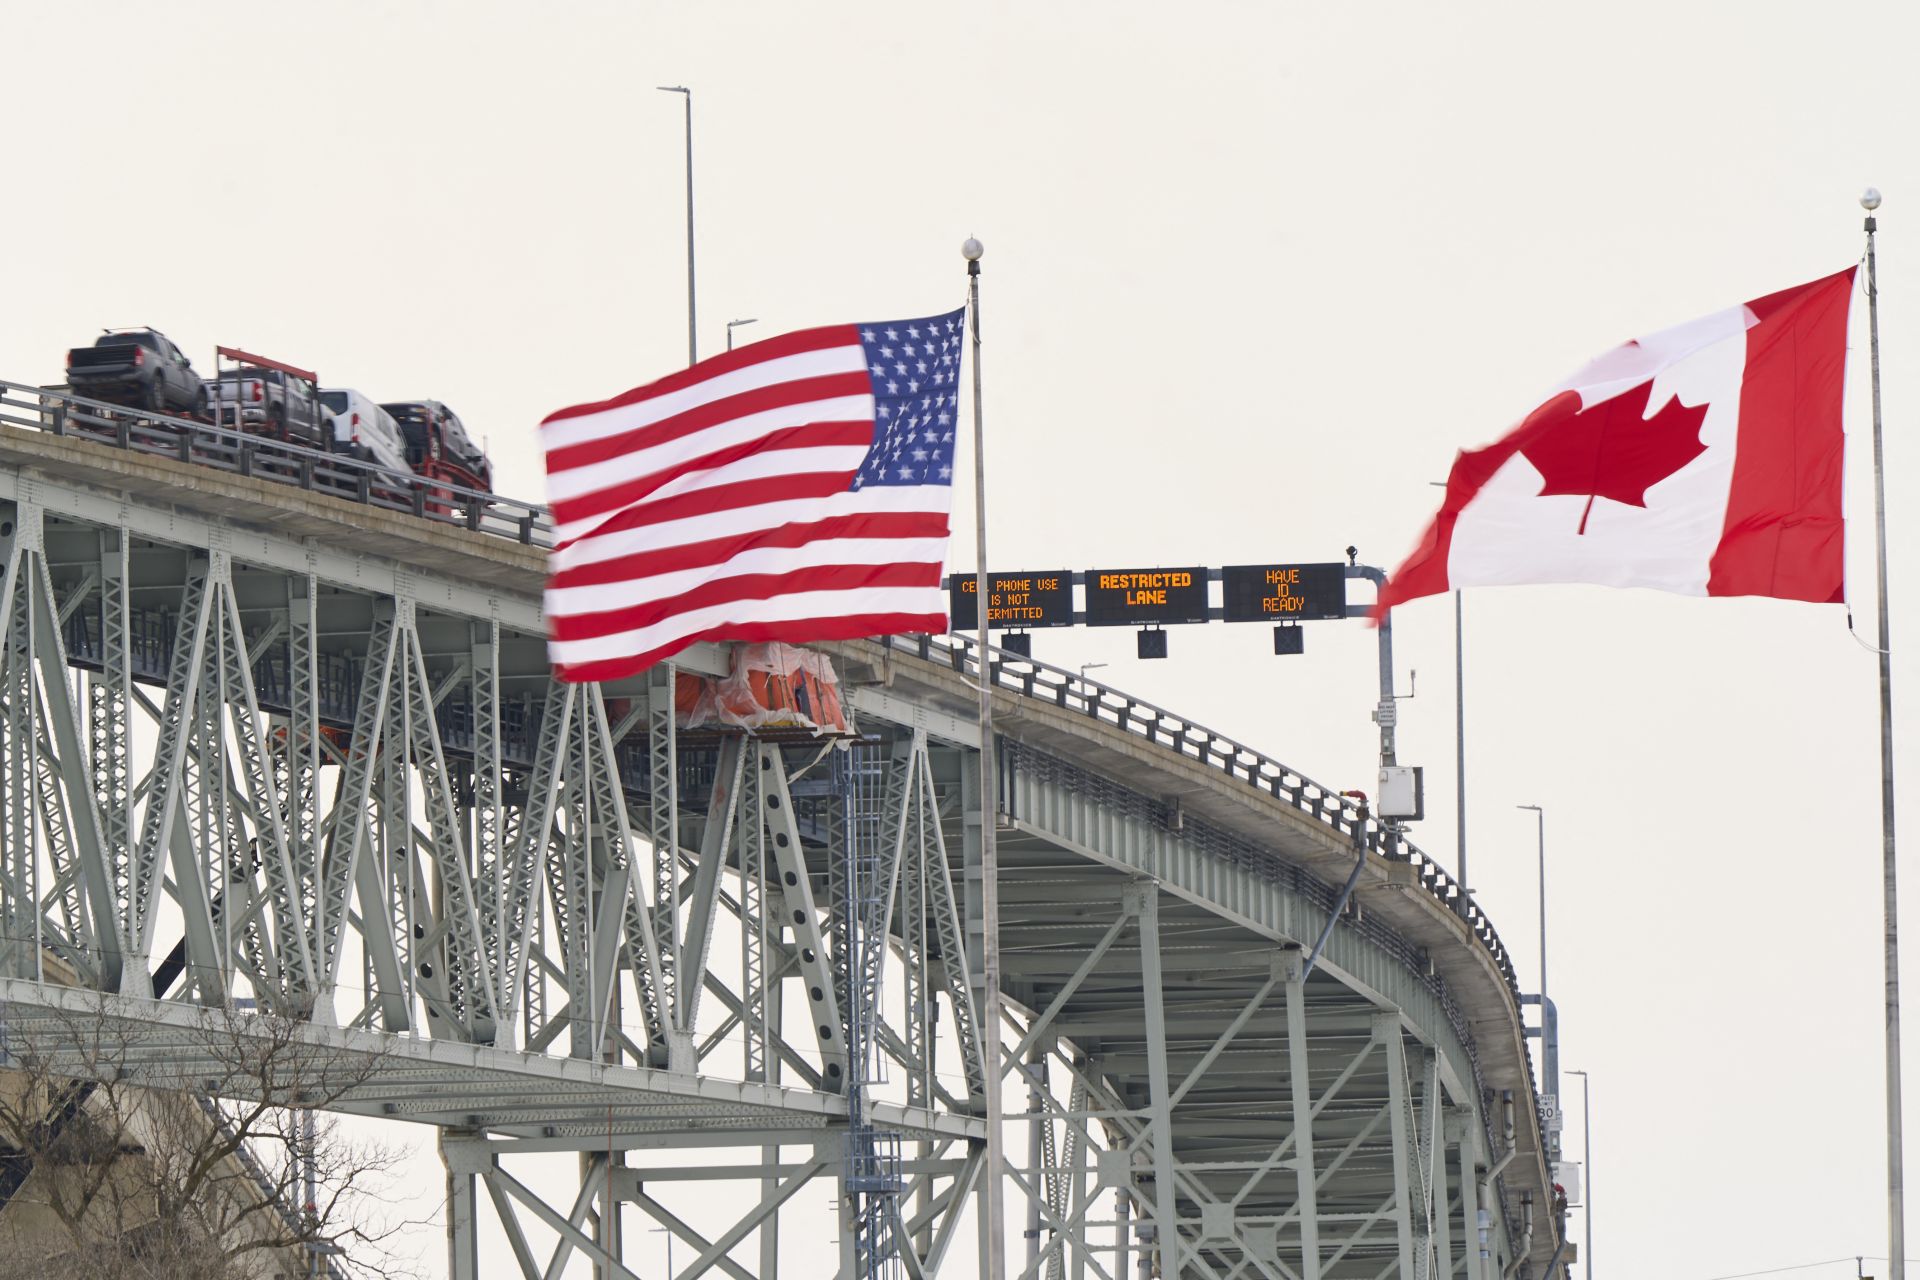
(338, 475)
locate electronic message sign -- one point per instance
(1038, 599)
(1140, 597)
(1283, 592)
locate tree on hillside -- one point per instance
(110, 1169)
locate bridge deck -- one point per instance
(169, 1045)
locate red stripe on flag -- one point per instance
(790, 344)
(746, 586)
(793, 630)
(1784, 535)
(725, 497)
(810, 436)
(695, 555)
(831, 386)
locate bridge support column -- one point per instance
(1144, 900)
(109, 703)
(1460, 1129)
(1470, 1174)
(1441, 1216)
(1305, 1176)
(1386, 1030)
(1037, 1116)
(604, 1218)
(463, 1242)
(971, 816)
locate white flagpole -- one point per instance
(993, 1206)
(1896, 1190)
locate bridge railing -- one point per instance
(339, 475)
(62, 413)
(1074, 692)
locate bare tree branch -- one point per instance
(106, 1174)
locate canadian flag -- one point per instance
(1704, 460)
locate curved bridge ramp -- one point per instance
(266, 738)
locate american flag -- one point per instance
(795, 489)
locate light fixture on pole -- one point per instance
(1089, 666)
(662, 1231)
(735, 324)
(1586, 1153)
(993, 1211)
(693, 345)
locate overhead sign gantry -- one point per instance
(1152, 598)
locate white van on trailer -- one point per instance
(362, 429)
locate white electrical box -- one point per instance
(1567, 1174)
(1403, 793)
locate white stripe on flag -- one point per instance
(873, 500)
(563, 486)
(601, 597)
(827, 460)
(784, 608)
(562, 432)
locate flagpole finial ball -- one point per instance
(1870, 199)
(972, 249)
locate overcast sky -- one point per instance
(1254, 272)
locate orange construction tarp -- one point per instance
(771, 686)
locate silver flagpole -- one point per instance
(1896, 1190)
(994, 1266)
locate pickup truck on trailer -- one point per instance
(268, 398)
(139, 368)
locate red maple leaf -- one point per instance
(1611, 449)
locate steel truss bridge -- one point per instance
(275, 726)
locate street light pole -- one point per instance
(662, 1231)
(1460, 735)
(1459, 732)
(693, 344)
(1586, 1153)
(735, 324)
(1541, 816)
(1549, 1022)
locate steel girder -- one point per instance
(353, 793)
(1250, 1118)
(373, 809)
(1088, 842)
